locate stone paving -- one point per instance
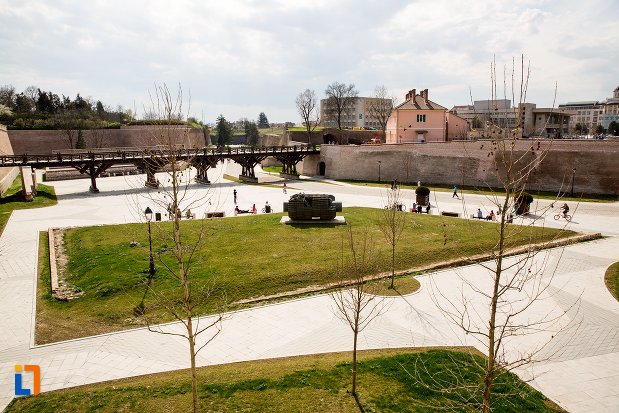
(580, 370)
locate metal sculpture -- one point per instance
(305, 207)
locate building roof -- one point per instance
(419, 103)
(585, 103)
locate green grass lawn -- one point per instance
(248, 256)
(612, 280)
(272, 169)
(485, 191)
(12, 200)
(387, 382)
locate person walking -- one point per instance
(284, 188)
(455, 194)
(234, 193)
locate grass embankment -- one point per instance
(249, 256)
(612, 280)
(387, 382)
(12, 200)
(272, 169)
(565, 197)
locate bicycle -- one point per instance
(396, 207)
(560, 215)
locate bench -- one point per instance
(450, 214)
(219, 214)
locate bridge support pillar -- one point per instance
(289, 162)
(94, 170)
(202, 166)
(151, 181)
(248, 162)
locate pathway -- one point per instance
(582, 375)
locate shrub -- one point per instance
(524, 198)
(422, 190)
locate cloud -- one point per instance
(241, 55)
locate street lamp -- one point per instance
(573, 175)
(148, 214)
(379, 172)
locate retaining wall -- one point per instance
(47, 141)
(7, 175)
(471, 163)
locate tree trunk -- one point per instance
(392, 264)
(354, 363)
(194, 376)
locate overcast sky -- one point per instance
(239, 58)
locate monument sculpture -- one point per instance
(306, 207)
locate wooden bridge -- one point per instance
(150, 160)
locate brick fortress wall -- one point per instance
(470, 163)
(47, 141)
(7, 175)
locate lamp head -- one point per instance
(148, 213)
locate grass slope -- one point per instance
(612, 280)
(563, 197)
(249, 256)
(12, 200)
(317, 383)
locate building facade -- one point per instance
(357, 114)
(418, 119)
(492, 118)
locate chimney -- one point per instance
(424, 95)
(412, 94)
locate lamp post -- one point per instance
(379, 172)
(148, 214)
(573, 176)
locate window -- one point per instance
(421, 118)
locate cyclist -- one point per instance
(565, 209)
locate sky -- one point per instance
(242, 57)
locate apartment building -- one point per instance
(356, 114)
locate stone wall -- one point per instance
(47, 141)
(7, 175)
(471, 163)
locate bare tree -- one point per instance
(67, 121)
(499, 311)
(357, 304)
(99, 138)
(380, 108)
(340, 100)
(176, 261)
(306, 107)
(392, 224)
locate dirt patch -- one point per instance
(65, 291)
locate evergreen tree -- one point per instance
(224, 131)
(263, 122)
(251, 133)
(81, 143)
(613, 128)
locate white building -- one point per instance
(356, 114)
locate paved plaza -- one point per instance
(580, 370)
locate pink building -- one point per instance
(419, 119)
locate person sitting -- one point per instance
(188, 214)
(236, 210)
(428, 209)
(565, 209)
(419, 209)
(254, 210)
(267, 207)
(490, 216)
(480, 214)
(414, 207)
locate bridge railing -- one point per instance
(148, 153)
